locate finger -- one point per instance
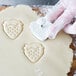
(55, 12)
(60, 23)
(70, 29)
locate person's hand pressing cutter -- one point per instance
(61, 16)
(58, 18)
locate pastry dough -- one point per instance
(55, 61)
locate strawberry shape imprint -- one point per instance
(33, 51)
(13, 28)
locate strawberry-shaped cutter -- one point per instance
(41, 28)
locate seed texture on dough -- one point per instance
(13, 28)
(34, 51)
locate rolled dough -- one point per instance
(57, 57)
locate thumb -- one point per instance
(60, 23)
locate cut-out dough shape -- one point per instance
(34, 51)
(13, 28)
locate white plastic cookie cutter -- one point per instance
(41, 28)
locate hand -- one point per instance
(61, 17)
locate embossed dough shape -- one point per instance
(13, 28)
(57, 57)
(34, 51)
